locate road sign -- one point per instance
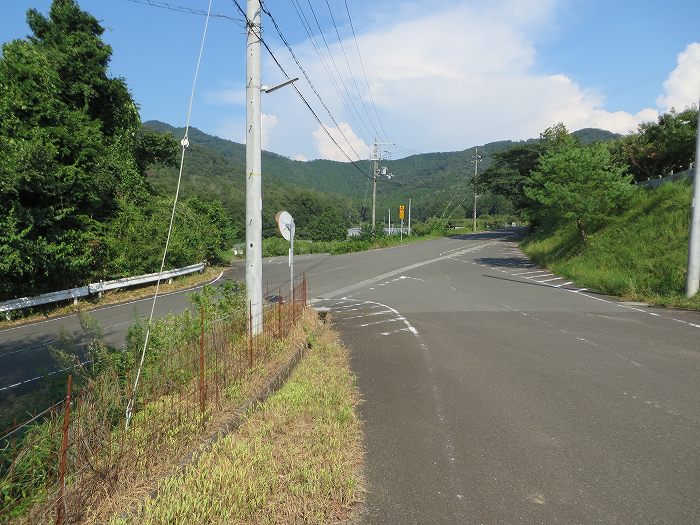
(285, 223)
(401, 208)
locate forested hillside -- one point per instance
(216, 167)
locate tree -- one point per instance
(580, 184)
(330, 225)
(657, 148)
(510, 171)
(68, 138)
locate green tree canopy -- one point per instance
(330, 225)
(579, 184)
(67, 136)
(657, 148)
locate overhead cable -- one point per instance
(257, 33)
(364, 72)
(291, 51)
(184, 143)
(347, 62)
(184, 9)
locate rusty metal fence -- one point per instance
(61, 462)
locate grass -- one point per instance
(640, 255)
(296, 458)
(276, 246)
(111, 297)
(175, 440)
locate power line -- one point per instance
(184, 9)
(291, 51)
(364, 72)
(335, 66)
(347, 62)
(301, 96)
(344, 96)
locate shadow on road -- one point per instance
(506, 262)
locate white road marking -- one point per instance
(396, 331)
(383, 321)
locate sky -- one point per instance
(420, 75)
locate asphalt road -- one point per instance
(494, 391)
(498, 393)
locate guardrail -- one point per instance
(655, 183)
(94, 288)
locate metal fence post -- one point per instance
(250, 334)
(202, 394)
(61, 503)
(279, 314)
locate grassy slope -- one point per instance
(639, 255)
(296, 459)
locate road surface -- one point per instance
(494, 391)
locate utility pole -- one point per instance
(476, 158)
(253, 165)
(693, 279)
(389, 221)
(375, 174)
(409, 216)
(376, 157)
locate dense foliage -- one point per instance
(582, 185)
(72, 169)
(659, 148)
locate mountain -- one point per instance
(588, 136)
(215, 167)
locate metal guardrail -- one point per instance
(98, 288)
(655, 183)
(51, 297)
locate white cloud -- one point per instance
(300, 157)
(268, 124)
(354, 146)
(448, 77)
(683, 85)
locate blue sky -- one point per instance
(443, 75)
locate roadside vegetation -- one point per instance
(639, 255)
(110, 469)
(296, 459)
(590, 223)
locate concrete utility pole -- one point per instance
(253, 169)
(693, 279)
(375, 174)
(409, 216)
(376, 157)
(476, 158)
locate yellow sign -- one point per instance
(401, 212)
